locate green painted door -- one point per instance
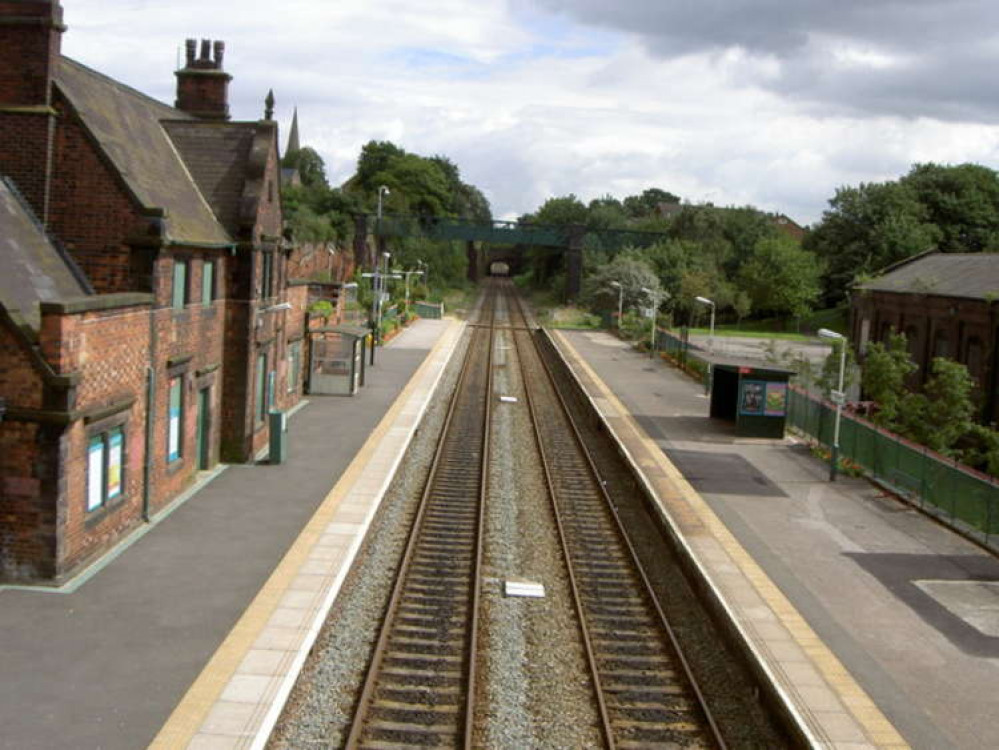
(204, 422)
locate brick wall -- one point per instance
(109, 349)
(27, 54)
(90, 211)
(27, 516)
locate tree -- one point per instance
(561, 211)
(647, 203)
(632, 273)
(886, 369)
(310, 165)
(941, 415)
(781, 276)
(866, 229)
(962, 202)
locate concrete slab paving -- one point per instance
(104, 665)
(853, 562)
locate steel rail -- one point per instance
(369, 694)
(622, 536)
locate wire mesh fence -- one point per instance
(964, 498)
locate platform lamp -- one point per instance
(620, 301)
(382, 192)
(838, 396)
(655, 311)
(711, 342)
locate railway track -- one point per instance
(420, 683)
(643, 686)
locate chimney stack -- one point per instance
(30, 49)
(202, 85)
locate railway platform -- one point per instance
(877, 624)
(206, 612)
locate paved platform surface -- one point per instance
(104, 664)
(910, 609)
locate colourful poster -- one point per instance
(776, 404)
(752, 397)
(115, 453)
(95, 473)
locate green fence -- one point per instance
(429, 310)
(964, 498)
(681, 353)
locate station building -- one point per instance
(147, 322)
(946, 305)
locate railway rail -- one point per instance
(645, 691)
(421, 680)
(420, 685)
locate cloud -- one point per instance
(727, 102)
(911, 58)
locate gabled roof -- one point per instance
(32, 268)
(127, 126)
(217, 155)
(968, 275)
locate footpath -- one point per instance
(910, 608)
(103, 662)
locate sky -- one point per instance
(771, 103)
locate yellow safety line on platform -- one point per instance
(865, 711)
(188, 716)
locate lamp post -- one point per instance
(620, 301)
(382, 192)
(655, 311)
(709, 385)
(838, 396)
(711, 330)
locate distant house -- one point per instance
(146, 319)
(945, 304)
(788, 226)
(668, 210)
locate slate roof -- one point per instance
(217, 154)
(968, 275)
(32, 269)
(127, 126)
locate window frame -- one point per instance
(180, 295)
(266, 274)
(260, 405)
(99, 477)
(209, 286)
(294, 365)
(173, 457)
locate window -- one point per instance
(179, 283)
(261, 401)
(266, 274)
(294, 365)
(207, 282)
(105, 467)
(175, 420)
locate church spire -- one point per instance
(293, 144)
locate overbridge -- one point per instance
(569, 239)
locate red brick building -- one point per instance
(146, 321)
(945, 304)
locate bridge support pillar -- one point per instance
(474, 266)
(574, 262)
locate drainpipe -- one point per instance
(147, 469)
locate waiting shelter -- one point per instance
(753, 394)
(337, 360)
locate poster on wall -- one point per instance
(753, 393)
(776, 403)
(173, 440)
(95, 473)
(114, 464)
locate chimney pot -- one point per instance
(205, 46)
(191, 45)
(219, 50)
